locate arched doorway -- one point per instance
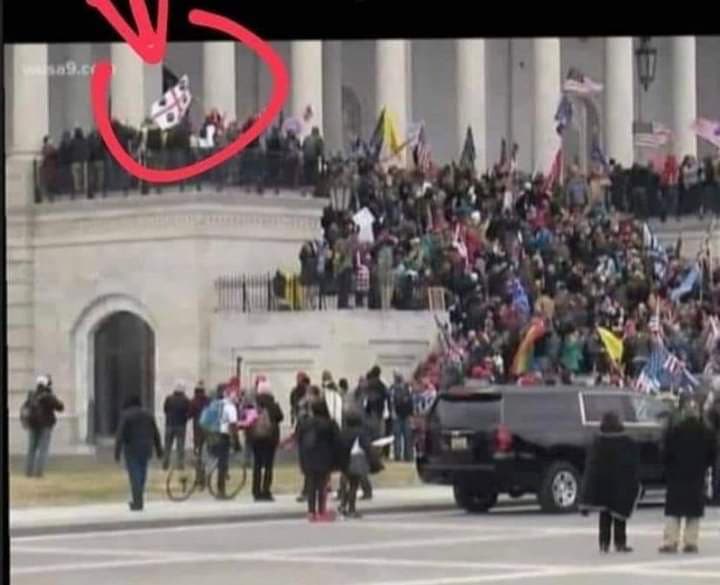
(124, 364)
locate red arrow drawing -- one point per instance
(148, 43)
(102, 74)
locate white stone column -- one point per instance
(619, 112)
(135, 86)
(306, 81)
(30, 103)
(332, 95)
(219, 78)
(546, 96)
(247, 82)
(471, 97)
(392, 82)
(684, 95)
(30, 113)
(76, 108)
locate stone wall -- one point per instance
(348, 343)
(155, 256)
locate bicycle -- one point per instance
(181, 483)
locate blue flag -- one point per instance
(519, 297)
(564, 114)
(687, 285)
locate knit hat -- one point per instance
(42, 381)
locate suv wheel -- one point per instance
(472, 500)
(560, 489)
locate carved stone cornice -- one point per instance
(269, 218)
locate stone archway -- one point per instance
(89, 323)
(124, 355)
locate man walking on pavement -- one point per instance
(401, 411)
(177, 412)
(38, 416)
(688, 452)
(137, 435)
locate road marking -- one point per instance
(413, 563)
(110, 552)
(470, 580)
(64, 536)
(714, 575)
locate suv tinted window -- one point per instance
(541, 409)
(597, 404)
(471, 411)
(650, 410)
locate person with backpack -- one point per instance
(136, 436)
(219, 421)
(401, 411)
(264, 436)
(37, 415)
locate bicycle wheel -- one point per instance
(180, 483)
(235, 478)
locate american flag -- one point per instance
(422, 153)
(580, 84)
(708, 130)
(554, 175)
(673, 365)
(651, 135)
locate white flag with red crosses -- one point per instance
(170, 109)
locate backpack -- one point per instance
(263, 427)
(30, 412)
(211, 416)
(403, 401)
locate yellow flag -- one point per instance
(613, 344)
(391, 137)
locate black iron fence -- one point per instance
(253, 169)
(285, 292)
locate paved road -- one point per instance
(511, 546)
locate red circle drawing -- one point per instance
(99, 92)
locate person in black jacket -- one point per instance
(177, 414)
(689, 450)
(264, 438)
(376, 401)
(44, 405)
(358, 458)
(80, 152)
(611, 483)
(318, 441)
(136, 436)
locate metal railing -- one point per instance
(252, 169)
(269, 293)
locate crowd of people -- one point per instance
(332, 426)
(80, 165)
(509, 250)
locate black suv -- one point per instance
(485, 441)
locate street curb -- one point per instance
(140, 525)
